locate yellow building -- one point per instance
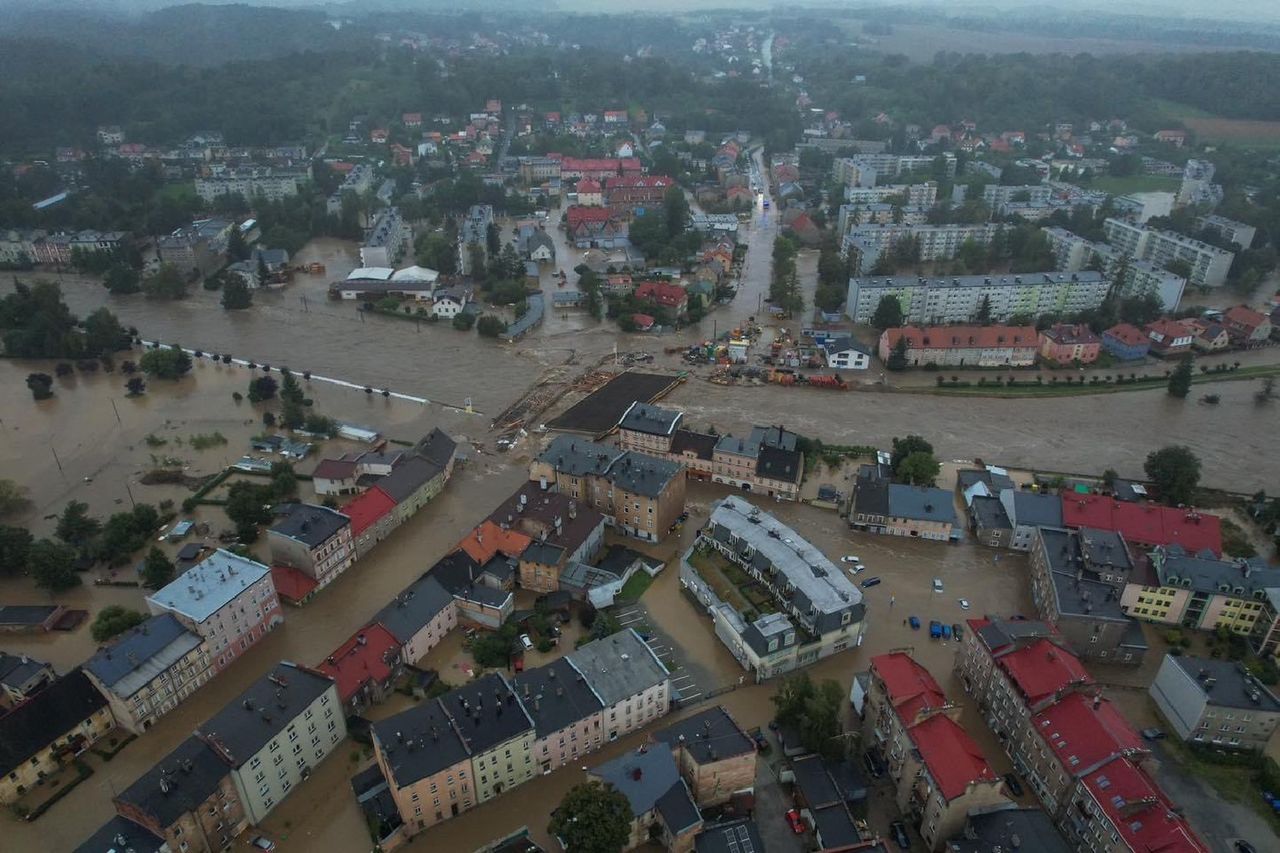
(1205, 593)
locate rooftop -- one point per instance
(48, 715)
(998, 635)
(922, 503)
(1232, 686)
(121, 835)
(954, 761)
(1084, 730)
(535, 512)
(555, 696)
(957, 337)
(1139, 810)
(734, 836)
(209, 585)
(1033, 509)
(646, 777)
(291, 584)
(419, 742)
(1041, 669)
(619, 666)
(1145, 524)
(642, 417)
(142, 654)
(1076, 586)
(711, 735)
(1175, 567)
(365, 656)
(909, 687)
(488, 540)
(408, 477)
(367, 509)
(178, 783)
(486, 713)
(261, 712)
(1009, 829)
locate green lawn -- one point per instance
(635, 587)
(1135, 184)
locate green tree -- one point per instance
(236, 294)
(1180, 379)
(121, 279)
(165, 362)
(41, 385)
(464, 321)
(165, 283)
(904, 447)
(918, 469)
(983, 315)
(103, 333)
(888, 314)
(476, 262)
(237, 248)
(262, 388)
(52, 565)
(814, 710)
(135, 386)
(13, 498)
(1109, 478)
(75, 525)
(675, 210)
(436, 251)
(157, 570)
(493, 239)
(293, 411)
(15, 546)
(490, 326)
(113, 620)
(249, 504)
(898, 355)
(1175, 472)
(592, 818)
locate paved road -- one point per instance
(1218, 821)
(772, 803)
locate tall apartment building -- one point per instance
(150, 670)
(567, 713)
(958, 299)
(228, 600)
(358, 181)
(1135, 276)
(275, 733)
(923, 195)
(1209, 264)
(251, 183)
(1197, 183)
(1231, 230)
(386, 239)
(474, 228)
(863, 170)
(1217, 702)
(864, 244)
(315, 540)
(498, 732)
(998, 195)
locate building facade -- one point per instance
(963, 346)
(959, 299)
(1209, 264)
(385, 242)
(313, 539)
(1212, 701)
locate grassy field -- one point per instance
(1211, 128)
(634, 587)
(1135, 184)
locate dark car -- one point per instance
(1243, 846)
(762, 741)
(1153, 734)
(1015, 787)
(870, 582)
(874, 763)
(899, 830)
(956, 631)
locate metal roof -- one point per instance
(209, 585)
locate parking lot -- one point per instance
(688, 681)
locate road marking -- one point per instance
(631, 621)
(687, 698)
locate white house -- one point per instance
(844, 353)
(449, 302)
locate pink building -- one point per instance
(226, 599)
(1068, 343)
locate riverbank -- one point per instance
(1063, 389)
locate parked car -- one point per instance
(870, 582)
(899, 830)
(526, 642)
(964, 603)
(914, 622)
(874, 763)
(762, 740)
(1243, 846)
(261, 842)
(956, 631)
(853, 570)
(937, 584)
(935, 629)
(849, 558)
(797, 825)
(1153, 734)
(946, 631)
(1015, 787)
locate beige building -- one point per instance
(498, 732)
(426, 764)
(633, 685)
(1215, 702)
(715, 757)
(662, 808)
(567, 713)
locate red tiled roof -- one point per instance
(1042, 668)
(488, 539)
(1168, 328)
(953, 759)
(962, 337)
(630, 164)
(1126, 333)
(1082, 734)
(642, 321)
(1244, 317)
(661, 293)
(334, 469)
(291, 584)
(588, 185)
(909, 685)
(1069, 333)
(361, 659)
(578, 214)
(1120, 789)
(595, 164)
(1145, 524)
(637, 182)
(365, 510)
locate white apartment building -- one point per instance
(1074, 253)
(251, 183)
(226, 599)
(925, 194)
(864, 244)
(274, 733)
(386, 239)
(864, 170)
(936, 301)
(1209, 264)
(358, 181)
(1231, 230)
(633, 686)
(996, 195)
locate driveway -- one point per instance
(1218, 821)
(772, 803)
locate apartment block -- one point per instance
(662, 808)
(251, 183)
(567, 714)
(716, 758)
(923, 194)
(228, 600)
(358, 181)
(963, 346)
(1133, 276)
(632, 683)
(498, 732)
(1231, 230)
(958, 299)
(313, 539)
(386, 239)
(997, 196)
(1209, 264)
(864, 245)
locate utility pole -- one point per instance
(117, 411)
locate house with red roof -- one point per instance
(489, 540)
(1121, 800)
(643, 322)
(1145, 524)
(401, 156)
(939, 773)
(590, 192)
(1169, 338)
(1248, 328)
(411, 119)
(1126, 342)
(1070, 343)
(365, 667)
(672, 297)
(595, 226)
(964, 346)
(372, 517)
(626, 193)
(379, 135)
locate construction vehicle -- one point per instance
(832, 382)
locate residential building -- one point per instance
(959, 299)
(425, 761)
(963, 346)
(1145, 525)
(1197, 184)
(1207, 336)
(896, 509)
(358, 181)
(600, 168)
(648, 429)
(595, 226)
(641, 495)
(449, 302)
(1076, 579)
(21, 677)
(1028, 512)
(1132, 276)
(313, 539)
(864, 244)
(636, 192)
(661, 806)
(914, 195)
(47, 732)
(715, 757)
(1126, 342)
(482, 594)
(121, 834)
(275, 733)
(199, 248)
(386, 239)
(1178, 586)
(844, 353)
(982, 482)
(1070, 343)
(1169, 338)
(997, 195)
(824, 791)
(251, 183)
(1214, 701)
(1209, 264)
(419, 617)
(365, 667)
(819, 611)
(731, 836)
(590, 192)
(413, 483)
(1229, 229)
(1008, 829)
(989, 522)
(228, 600)
(149, 670)
(562, 532)
(765, 461)
(498, 732)
(661, 294)
(938, 772)
(567, 713)
(1248, 328)
(633, 685)
(187, 799)
(1119, 807)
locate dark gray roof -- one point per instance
(409, 476)
(47, 716)
(996, 483)
(644, 475)
(842, 343)
(835, 826)
(677, 808)
(921, 503)
(18, 670)
(121, 835)
(654, 420)
(245, 725)
(849, 780)
(735, 836)
(708, 736)
(578, 457)
(540, 511)
(773, 436)
(1234, 687)
(310, 524)
(702, 444)
(486, 713)
(644, 777)
(637, 473)
(543, 553)
(1003, 632)
(555, 696)
(25, 614)
(1032, 509)
(415, 607)
(178, 783)
(142, 654)
(1009, 829)
(1104, 549)
(1211, 575)
(419, 742)
(813, 782)
(1083, 596)
(778, 464)
(438, 447)
(988, 513)
(871, 496)
(619, 558)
